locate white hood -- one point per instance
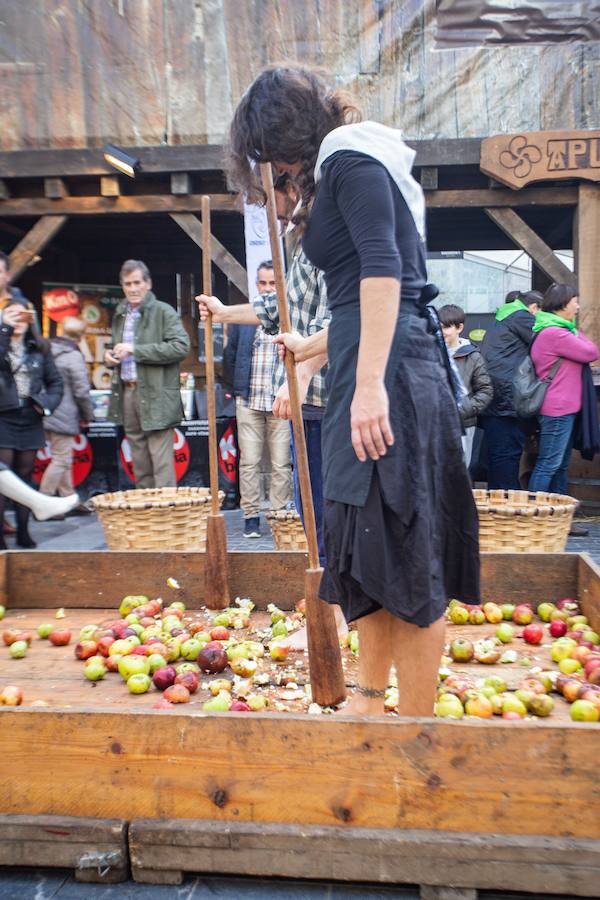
(387, 147)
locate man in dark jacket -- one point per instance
(505, 346)
(149, 342)
(249, 360)
(472, 369)
(74, 411)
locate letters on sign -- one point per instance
(519, 159)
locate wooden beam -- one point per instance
(525, 237)
(131, 203)
(219, 254)
(109, 186)
(55, 189)
(4, 190)
(34, 242)
(429, 178)
(181, 183)
(40, 163)
(467, 199)
(587, 254)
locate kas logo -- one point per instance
(228, 454)
(82, 456)
(181, 456)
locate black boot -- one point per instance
(24, 539)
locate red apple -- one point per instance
(85, 649)
(177, 693)
(557, 628)
(11, 696)
(220, 633)
(522, 614)
(461, 650)
(163, 704)
(533, 633)
(103, 645)
(188, 680)
(240, 706)
(60, 638)
(163, 678)
(568, 603)
(212, 658)
(9, 637)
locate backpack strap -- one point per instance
(555, 367)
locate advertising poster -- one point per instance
(95, 304)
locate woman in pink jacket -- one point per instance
(558, 338)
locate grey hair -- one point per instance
(132, 265)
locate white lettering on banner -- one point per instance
(258, 245)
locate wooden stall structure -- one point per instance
(93, 783)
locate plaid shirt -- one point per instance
(128, 366)
(264, 359)
(309, 313)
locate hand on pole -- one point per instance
(211, 306)
(371, 432)
(289, 341)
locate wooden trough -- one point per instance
(99, 785)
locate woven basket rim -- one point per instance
(527, 505)
(139, 499)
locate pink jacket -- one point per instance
(564, 394)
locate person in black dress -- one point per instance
(30, 388)
(401, 533)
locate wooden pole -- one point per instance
(216, 595)
(325, 663)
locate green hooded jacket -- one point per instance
(160, 344)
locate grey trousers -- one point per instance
(151, 451)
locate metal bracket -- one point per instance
(111, 859)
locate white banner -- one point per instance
(258, 245)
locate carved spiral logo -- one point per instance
(520, 156)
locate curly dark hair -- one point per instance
(283, 116)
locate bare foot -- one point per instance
(362, 706)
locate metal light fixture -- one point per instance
(121, 160)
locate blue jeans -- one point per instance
(556, 443)
(312, 432)
(504, 441)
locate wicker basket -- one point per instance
(520, 522)
(287, 529)
(155, 518)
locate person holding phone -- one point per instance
(30, 388)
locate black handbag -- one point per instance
(528, 390)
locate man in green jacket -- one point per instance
(149, 342)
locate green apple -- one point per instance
(592, 636)
(279, 629)
(256, 702)
(18, 650)
(353, 642)
(178, 604)
(545, 610)
(95, 671)
(561, 649)
(585, 711)
(220, 703)
(449, 706)
(133, 665)
(505, 633)
(569, 666)
(130, 603)
(139, 683)
(459, 615)
(497, 682)
(223, 618)
(277, 615)
(541, 705)
(45, 629)
(182, 668)
(191, 648)
(238, 651)
(511, 703)
(156, 661)
(507, 610)
(2, 612)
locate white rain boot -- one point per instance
(42, 506)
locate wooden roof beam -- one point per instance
(33, 243)
(526, 238)
(126, 203)
(222, 258)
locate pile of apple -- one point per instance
(575, 650)
(19, 642)
(151, 646)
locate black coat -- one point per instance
(46, 383)
(237, 358)
(505, 346)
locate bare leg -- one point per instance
(374, 663)
(417, 652)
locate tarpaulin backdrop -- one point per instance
(150, 72)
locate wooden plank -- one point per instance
(96, 848)
(588, 259)
(34, 242)
(99, 580)
(132, 203)
(219, 254)
(390, 856)
(519, 159)
(588, 590)
(409, 774)
(526, 238)
(55, 188)
(3, 579)
(500, 197)
(109, 186)
(41, 163)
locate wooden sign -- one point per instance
(519, 159)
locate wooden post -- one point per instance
(216, 585)
(325, 663)
(33, 243)
(587, 255)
